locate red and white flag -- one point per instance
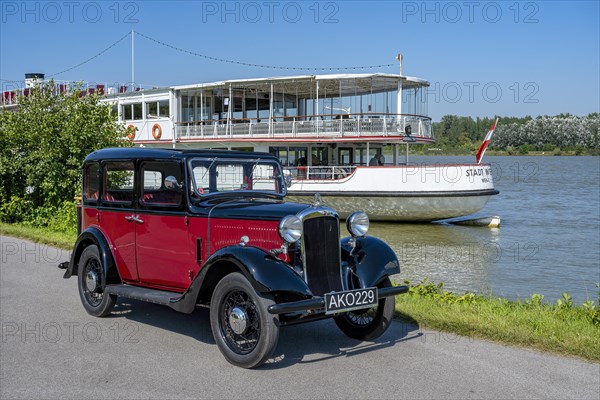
(485, 143)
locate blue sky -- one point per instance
(481, 57)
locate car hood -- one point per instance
(260, 209)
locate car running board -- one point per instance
(144, 294)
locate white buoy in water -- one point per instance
(489, 222)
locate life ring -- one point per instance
(131, 132)
(156, 131)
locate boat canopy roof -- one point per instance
(330, 85)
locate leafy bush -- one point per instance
(42, 147)
(524, 149)
(16, 209)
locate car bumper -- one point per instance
(317, 303)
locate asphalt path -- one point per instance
(51, 348)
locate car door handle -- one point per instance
(134, 218)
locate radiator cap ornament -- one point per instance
(317, 201)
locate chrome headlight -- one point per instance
(358, 224)
(290, 229)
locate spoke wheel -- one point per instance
(91, 281)
(243, 329)
(240, 322)
(370, 323)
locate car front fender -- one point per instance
(266, 273)
(371, 260)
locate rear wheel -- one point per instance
(369, 323)
(241, 324)
(92, 281)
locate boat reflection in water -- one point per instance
(461, 257)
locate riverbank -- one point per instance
(562, 328)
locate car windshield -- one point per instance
(222, 175)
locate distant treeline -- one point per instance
(564, 132)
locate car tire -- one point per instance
(91, 280)
(244, 330)
(368, 324)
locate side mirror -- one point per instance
(288, 180)
(171, 183)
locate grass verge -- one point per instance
(560, 328)
(39, 235)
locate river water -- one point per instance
(548, 242)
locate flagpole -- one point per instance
(486, 142)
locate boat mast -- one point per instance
(399, 99)
(132, 59)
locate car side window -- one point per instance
(162, 184)
(118, 183)
(91, 183)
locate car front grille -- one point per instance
(321, 254)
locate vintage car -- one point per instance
(188, 228)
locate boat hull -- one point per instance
(418, 208)
(403, 193)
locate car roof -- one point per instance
(126, 153)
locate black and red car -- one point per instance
(188, 228)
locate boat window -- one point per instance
(163, 108)
(319, 156)
(360, 156)
(127, 112)
(137, 111)
(345, 156)
(187, 108)
(414, 101)
(152, 108)
(290, 156)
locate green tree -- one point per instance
(44, 142)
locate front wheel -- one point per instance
(91, 280)
(243, 329)
(368, 324)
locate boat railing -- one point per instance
(12, 93)
(309, 126)
(319, 172)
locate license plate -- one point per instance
(357, 299)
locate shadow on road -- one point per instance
(195, 325)
(298, 344)
(322, 340)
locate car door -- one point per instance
(114, 215)
(165, 254)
